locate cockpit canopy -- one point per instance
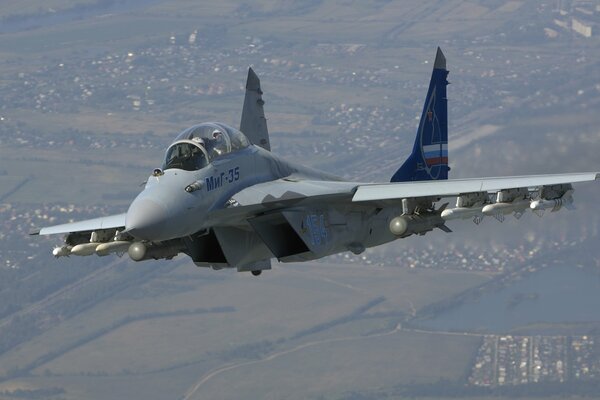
(197, 146)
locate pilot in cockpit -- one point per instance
(218, 143)
(199, 140)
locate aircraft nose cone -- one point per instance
(146, 219)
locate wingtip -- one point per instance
(252, 83)
(440, 59)
(34, 231)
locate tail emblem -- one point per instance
(429, 157)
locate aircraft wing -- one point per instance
(283, 193)
(454, 187)
(280, 194)
(293, 190)
(110, 222)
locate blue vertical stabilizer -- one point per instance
(429, 158)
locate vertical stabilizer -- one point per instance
(254, 123)
(429, 158)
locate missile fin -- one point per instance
(442, 207)
(445, 228)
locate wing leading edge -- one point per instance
(95, 224)
(455, 187)
(282, 194)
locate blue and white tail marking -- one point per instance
(429, 158)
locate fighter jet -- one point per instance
(225, 200)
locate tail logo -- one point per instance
(434, 149)
(429, 158)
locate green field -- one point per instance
(339, 367)
(293, 306)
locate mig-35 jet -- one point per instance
(226, 201)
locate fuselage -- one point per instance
(225, 200)
(179, 203)
(175, 202)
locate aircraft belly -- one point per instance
(330, 230)
(377, 231)
(241, 247)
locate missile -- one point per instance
(137, 251)
(461, 213)
(406, 225)
(399, 225)
(554, 204)
(84, 249)
(63, 251)
(517, 206)
(107, 248)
